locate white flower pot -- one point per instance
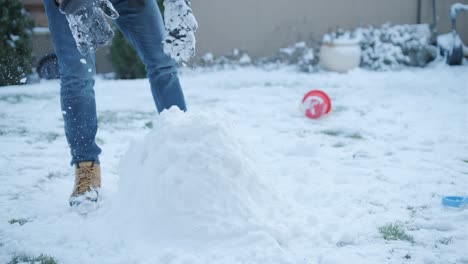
(340, 56)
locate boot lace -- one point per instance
(84, 179)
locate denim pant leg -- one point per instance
(77, 92)
(141, 23)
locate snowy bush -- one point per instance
(125, 60)
(16, 45)
(383, 48)
(391, 47)
(236, 57)
(299, 55)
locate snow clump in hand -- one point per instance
(88, 24)
(180, 25)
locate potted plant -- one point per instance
(340, 51)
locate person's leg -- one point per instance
(77, 92)
(141, 23)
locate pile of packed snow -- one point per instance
(190, 178)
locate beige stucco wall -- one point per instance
(263, 26)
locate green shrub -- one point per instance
(15, 42)
(125, 60)
(127, 64)
(161, 6)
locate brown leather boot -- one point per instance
(87, 183)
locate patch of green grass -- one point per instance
(55, 175)
(340, 133)
(343, 244)
(360, 155)
(338, 145)
(122, 118)
(332, 133)
(356, 136)
(338, 109)
(42, 259)
(395, 231)
(100, 141)
(16, 131)
(445, 240)
(19, 98)
(149, 125)
(20, 221)
(12, 99)
(413, 210)
(51, 136)
(107, 117)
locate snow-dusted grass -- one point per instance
(336, 190)
(42, 259)
(20, 221)
(395, 231)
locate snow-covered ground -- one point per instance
(243, 177)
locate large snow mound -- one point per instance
(189, 178)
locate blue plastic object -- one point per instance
(455, 201)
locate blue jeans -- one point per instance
(142, 25)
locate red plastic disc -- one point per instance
(316, 103)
